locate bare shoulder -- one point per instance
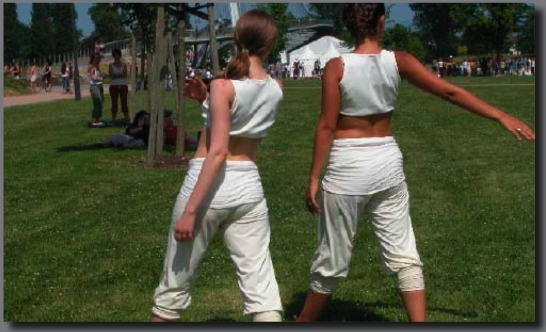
(279, 82)
(336, 62)
(408, 65)
(402, 58)
(334, 68)
(222, 86)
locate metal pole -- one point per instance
(77, 91)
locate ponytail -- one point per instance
(238, 67)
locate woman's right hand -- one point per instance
(195, 88)
(311, 197)
(516, 127)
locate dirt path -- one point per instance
(42, 96)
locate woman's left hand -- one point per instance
(183, 231)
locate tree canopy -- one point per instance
(108, 23)
(11, 32)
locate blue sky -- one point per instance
(401, 13)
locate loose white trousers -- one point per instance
(246, 233)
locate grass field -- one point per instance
(85, 229)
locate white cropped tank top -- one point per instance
(254, 108)
(370, 83)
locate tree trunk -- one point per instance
(155, 86)
(133, 76)
(213, 41)
(181, 74)
(143, 55)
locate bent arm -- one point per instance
(221, 97)
(419, 76)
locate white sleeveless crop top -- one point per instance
(254, 108)
(370, 83)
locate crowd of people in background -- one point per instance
(448, 67)
(485, 66)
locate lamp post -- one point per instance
(77, 91)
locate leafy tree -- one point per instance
(41, 35)
(440, 25)
(64, 17)
(140, 18)
(526, 32)
(401, 38)
(504, 18)
(490, 26)
(25, 47)
(330, 11)
(279, 11)
(108, 22)
(334, 12)
(11, 32)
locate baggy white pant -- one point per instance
(388, 212)
(246, 233)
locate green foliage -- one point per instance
(401, 38)
(108, 23)
(15, 86)
(85, 229)
(41, 35)
(484, 27)
(526, 32)
(11, 32)
(25, 47)
(279, 11)
(139, 18)
(502, 20)
(64, 26)
(462, 50)
(330, 11)
(439, 25)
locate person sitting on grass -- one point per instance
(136, 133)
(170, 131)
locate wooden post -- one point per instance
(213, 42)
(156, 89)
(133, 77)
(181, 105)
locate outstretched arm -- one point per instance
(416, 74)
(221, 97)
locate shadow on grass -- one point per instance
(351, 311)
(96, 146)
(337, 311)
(220, 320)
(99, 146)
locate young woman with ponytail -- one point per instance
(364, 173)
(222, 189)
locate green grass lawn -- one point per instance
(85, 229)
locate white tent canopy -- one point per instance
(322, 49)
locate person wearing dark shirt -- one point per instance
(136, 133)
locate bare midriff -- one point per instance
(376, 125)
(239, 148)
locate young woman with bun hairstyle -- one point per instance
(364, 167)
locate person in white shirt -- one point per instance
(118, 86)
(222, 190)
(364, 173)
